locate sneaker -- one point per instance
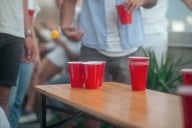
(28, 117)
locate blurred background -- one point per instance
(179, 20)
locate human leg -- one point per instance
(63, 79)
(10, 54)
(47, 69)
(18, 93)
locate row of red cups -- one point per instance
(89, 74)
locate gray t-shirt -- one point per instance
(11, 17)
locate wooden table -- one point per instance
(117, 104)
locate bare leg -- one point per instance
(46, 71)
(4, 97)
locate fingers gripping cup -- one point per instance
(185, 93)
(187, 76)
(76, 74)
(138, 68)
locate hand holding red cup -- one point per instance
(124, 15)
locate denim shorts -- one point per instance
(10, 56)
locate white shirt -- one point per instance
(113, 36)
(154, 19)
(11, 17)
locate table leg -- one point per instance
(43, 110)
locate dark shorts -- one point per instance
(10, 56)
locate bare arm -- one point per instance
(27, 23)
(30, 48)
(132, 5)
(188, 3)
(67, 13)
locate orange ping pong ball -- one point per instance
(54, 34)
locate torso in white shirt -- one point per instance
(113, 37)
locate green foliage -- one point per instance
(166, 76)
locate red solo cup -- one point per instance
(138, 59)
(31, 12)
(92, 72)
(101, 70)
(186, 97)
(76, 74)
(187, 76)
(138, 74)
(125, 17)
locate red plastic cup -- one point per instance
(31, 12)
(187, 76)
(138, 73)
(101, 70)
(125, 17)
(93, 74)
(186, 97)
(76, 74)
(138, 59)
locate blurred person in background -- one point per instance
(104, 38)
(54, 62)
(15, 33)
(155, 27)
(18, 92)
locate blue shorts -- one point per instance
(10, 56)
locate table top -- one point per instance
(118, 104)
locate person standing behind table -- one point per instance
(15, 33)
(104, 37)
(155, 26)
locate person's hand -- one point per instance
(72, 34)
(30, 50)
(131, 5)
